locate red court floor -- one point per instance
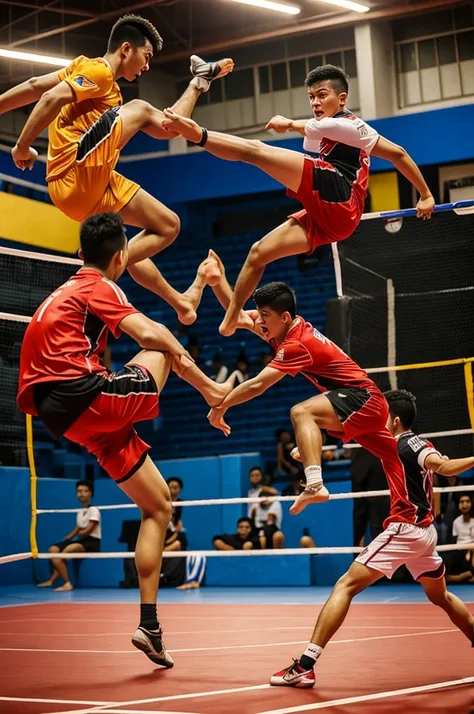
(77, 657)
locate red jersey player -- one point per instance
(65, 383)
(352, 406)
(332, 188)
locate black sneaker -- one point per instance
(151, 643)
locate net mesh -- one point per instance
(412, 301)
(26, 279)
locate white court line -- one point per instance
(365, 697)
(57, 701)
(231, 647)
(391, 599)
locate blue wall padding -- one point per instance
(329, 524)
(261, 570)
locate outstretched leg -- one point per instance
(288, 239)
(456, 610)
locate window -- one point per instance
(315, 61)
(350, 64)
(408, 57)
(264, 79)
(334, 58)
(446, 49)
(279, 76)
(466, 46)
(427, 54)
(239, 85)
(297, 72)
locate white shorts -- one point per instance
(404, 544)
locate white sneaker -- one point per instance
(151, 643)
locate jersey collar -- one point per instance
(404, 433)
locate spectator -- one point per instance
(285, 462)
(242, 368)
(460, 562)
(219, 372)
(242, 540)
(267, 517)
(257, 479)
(177, 532)
(84, 538)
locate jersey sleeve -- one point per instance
(88, 79)
(418, 449)
(94, 514)
(108, 302)
(291, 358)
(353, 132)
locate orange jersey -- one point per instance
(95, 91)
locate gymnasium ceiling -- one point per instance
(70, 27)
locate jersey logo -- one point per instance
(361, 127)
(85, 82)
(343, 396)
(415, 443)
(280, 355)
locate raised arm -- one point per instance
(244, 393)
(27, 92)
(399, 157)
(448, 467)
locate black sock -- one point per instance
(148, 618)
(307, 662)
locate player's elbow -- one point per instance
(398, 153)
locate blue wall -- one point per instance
(216, 477)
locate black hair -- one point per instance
(135, 30)
(101, 237)
(245, 520)
(331, 72)
(465, 495)
(402, 404)
(279, 296)
(177, 479)
(255, 468)
(88, 484)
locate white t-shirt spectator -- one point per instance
(261, 514)
(253, 493)
(221, 375)
(463, 530)
(85, 516)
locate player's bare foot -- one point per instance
(185, 311)
(187, 128)
(245, 322)
(311, 494)
(67, 587)
(220, 391)
(188, 586)
(210, 270)
(46, 584)
(205, 72)
(228, 325)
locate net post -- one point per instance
(469, 389)
(33, 483)
(337, 270)
(391, 334)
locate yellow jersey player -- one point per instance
(89, 125)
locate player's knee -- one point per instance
(170, 227)
(257, 255)
(348, 584)
(297, 413)
(53, 549)
(143, 109)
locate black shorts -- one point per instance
(347, 401)
(89, 543)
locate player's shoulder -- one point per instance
(109, 290)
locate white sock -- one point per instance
(313, 651)
(313, 475)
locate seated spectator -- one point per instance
(84, 538)
(241, 368)
(176, 538)
(286, 464)
(219, 372)
(460, 563)
(258, 480)
(242, 540)
(267, 517)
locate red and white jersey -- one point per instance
(305, 350)
(413, 502)
(344, 141)
(67, 335)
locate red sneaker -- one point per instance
(294, 676)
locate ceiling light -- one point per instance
(270, 5)
(348, 5)
(30, 57)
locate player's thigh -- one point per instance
(157, 363)
(148, 490)
(319, 409)
(135, 115)
(145, 211)
(359, 577)
(289, 238)
(284, 165)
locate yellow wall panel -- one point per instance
(383, 189)
(36, 223)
